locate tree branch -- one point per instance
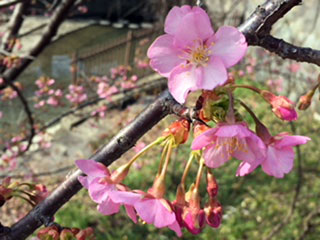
(124, 140)
(28, 113)
(287, 50)
(50, 31)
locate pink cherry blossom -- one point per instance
(280, 156)
(104, 191)
(77, 94)
(230, 140)
(191, 55)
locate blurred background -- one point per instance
(99, 36)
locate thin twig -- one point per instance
(28, 113)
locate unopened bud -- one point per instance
(179, 130)
(213, 213)
(282, 107)
(212, 185)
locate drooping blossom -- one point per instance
(104, 191)
(282, 107)
(230, 140)
(191, 55)
(280, 156)
(154, 209)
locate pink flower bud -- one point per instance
(213, 213)
(282, 107)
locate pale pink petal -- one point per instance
(251, 149)
(194, 26)
(93, 168)
(288, 141)
(229, 45)
(246, 168)
(164, 57)
(231, 130)
(174, 17)
(278, 162)
(131, 213)
(152, 211)
(176, 227)
(213, 75)
(107, 207)
(83, 180)
(203, 139)
(288, 114)
(98, 192)
(128, 198)
(215, 156)
(182, 80)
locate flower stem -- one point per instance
(255, 89)
(199, 174)
(167, 159)
(187, 168)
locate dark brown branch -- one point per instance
(28, 113)
(124, 140)
(287, 50)
(50, 31)
(262, 19)
(14, 25)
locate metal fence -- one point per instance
(121, 50)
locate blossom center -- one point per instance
(200, 54)
(230, 146)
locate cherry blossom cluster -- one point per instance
(195, 58)
(46, 94)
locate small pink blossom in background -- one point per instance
(83, 9)
(230, 140)
(1, 114)
(102, 190)
(134, 78)
(282, 107)
(138, 147)
(275, 85)
(101, 112)
(8, 162)
(40, 104)
(127, 85)
(77, 94)
(191, 55)
(294, 67)
(280, 156)
(249, 69)
(8, 94)
(142, 64)
(241, 73)
(105, 91)
(1, 81)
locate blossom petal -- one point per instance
(215, 156)
(131, 213)
(128, 198)
(288, 141)
(174, 18)
(204, 139)
(164, 57)
(214, 74)
(278, 162)
(245, 168)
(152, 211)
(194, 26)
(176, 227)
(108, 207)
(99, 192)
(232, 130)
(83, 180)
(229, 45)
(182, 80)
(93, 168)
